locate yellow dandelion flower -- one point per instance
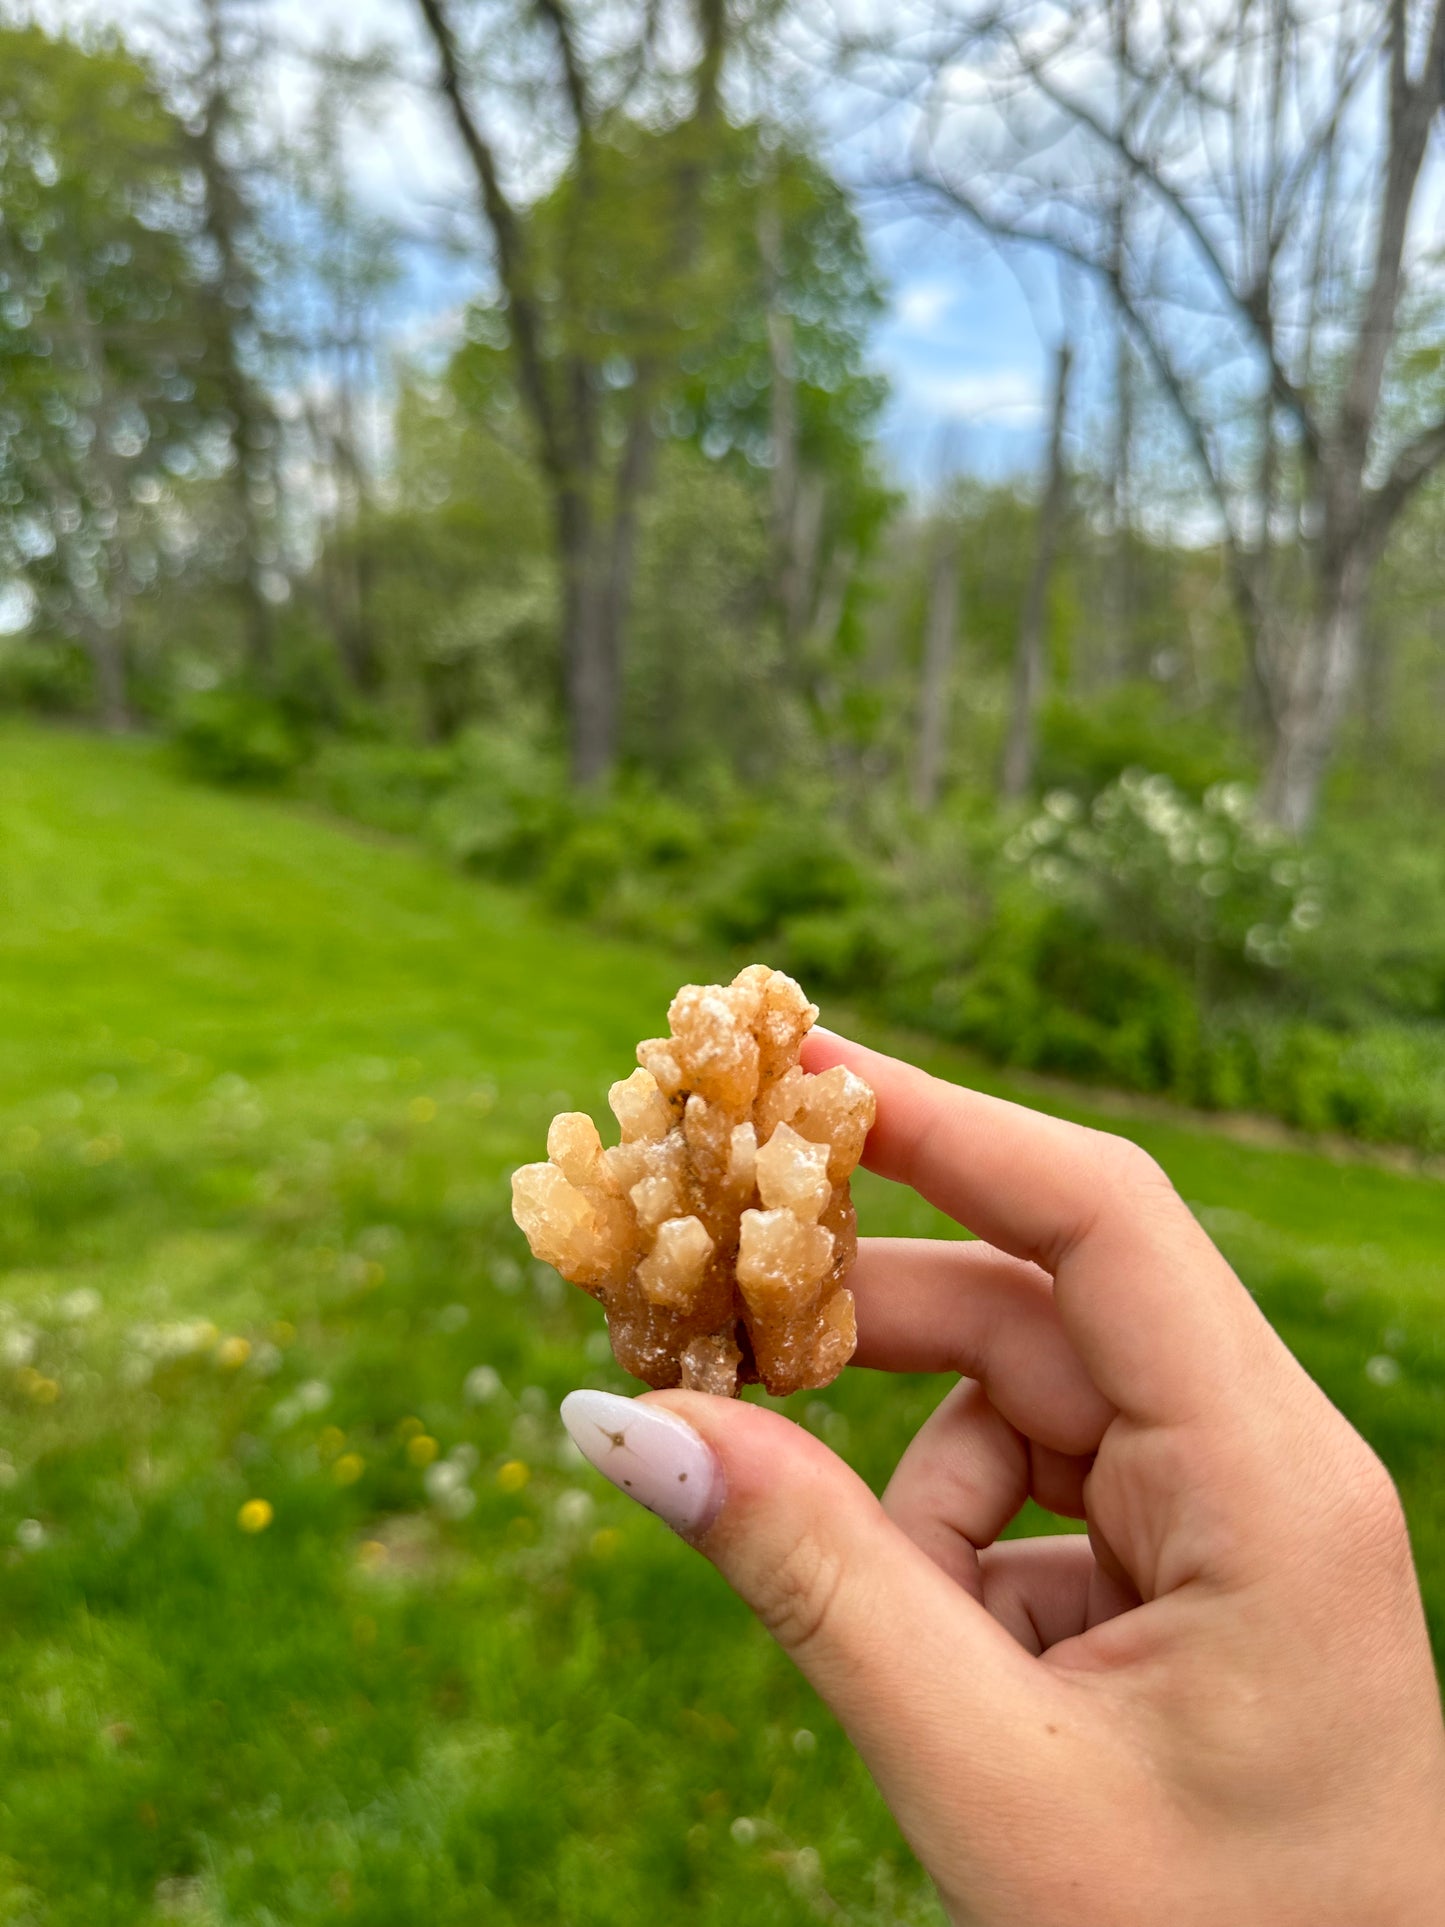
(330, 1441)
(232, 1353)
(284, 1332)
(512, 1476)
(421, 1448)
(422, 1110)
(255, 1515)
(605, 1541)
(348, 1468)
(409, 1427)
(43, 1390)
(372, 1554)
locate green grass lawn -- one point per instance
(261, 1085)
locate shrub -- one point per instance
(391, 786)
(791, 866)
(1208, 884)
(233, 736)
(50, 676)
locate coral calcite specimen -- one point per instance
(718, 1233)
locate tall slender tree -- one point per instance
(595, 299)
(1031, 650)
(1275, 253)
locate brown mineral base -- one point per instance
(718, 1233)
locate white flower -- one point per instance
(18, 1347)
(575, 1507)
(481, 1385)
(442, 1479)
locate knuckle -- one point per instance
(1129, 1163)
(801, 1593)
(1373, 1497)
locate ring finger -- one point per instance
(965, 1475)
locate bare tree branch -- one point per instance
(1413, 107)
(1252, 303)
(559, 20)
(523, 316)
(1412, 468)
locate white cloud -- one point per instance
(919, 309)
(1011, 396)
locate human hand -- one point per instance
(1219, 1706)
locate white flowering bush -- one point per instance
(1209, 882)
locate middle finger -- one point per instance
(934, 1306)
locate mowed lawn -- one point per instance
(262, 1081)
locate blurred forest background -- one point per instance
(1120, 753)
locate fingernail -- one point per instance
(651, 1455)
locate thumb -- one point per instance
(927, 1685)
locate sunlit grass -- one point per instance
(307, 1609)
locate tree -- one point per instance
(759, 362)
(1030, 659)
(1267, 273)
(595, 307)
(211, 77)
(935, 689)
(109, 388)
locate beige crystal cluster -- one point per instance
(718, 1233)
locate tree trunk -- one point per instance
(618, 564)
(106, 649)
(935, 688)
(1029, 655)
(590, 665)
(1308, 704)
(782, 423)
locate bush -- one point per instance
(1209, 885)
(1049, 993)
(49, 676)
(232, 736)
(791, 866)
(391, 786)
(1086, 747)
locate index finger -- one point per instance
(1159, 1319)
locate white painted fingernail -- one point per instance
(651, 1455)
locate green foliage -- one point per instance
(43, 674)
(263, 1083)
(706, 686)
(1085, 746)
(234, 736)
(1209, 885)
(108, 366)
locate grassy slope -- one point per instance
(264, 1077)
